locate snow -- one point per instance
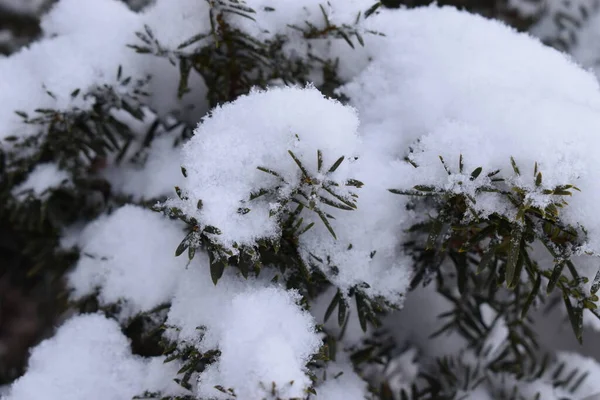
(499, 95)
(43, 178)
(221, 159)
(341, 383)
(222, 162)
(263, 336)
(274, 348)
(155, 178)
(93, 36)
(129, 256)
(88, 358)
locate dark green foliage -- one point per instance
(81, 142)
(231, 62)
(485, 258)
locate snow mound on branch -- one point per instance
(78, 53)
(462, 84)
(82, 47)
(223, 163)
(89, 358)
(263, 335)
(129, 256)
(43, 178)
(258, 130)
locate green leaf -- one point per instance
(486, 259)
(360, 39)
(185, 67)
(334, 302)
(305, 229)
(425, 188)
(575, 317)
(182, 246)
(596, 283)
(341, 206)
(538, 179)
(355, 183)
(372, 9)
(512, 261)
(336, 165)
(514, 166)
(347, 202)
(534, 292)
(445, 166)
(476, 172)
(319, 160)
(216, 271)
(478, 237)
(362, 309)
(326, 222)
(344, 35)
(342, 309)
(297, 161)
(192, 40)
(22, 114)
(434, 234)
(556, 274)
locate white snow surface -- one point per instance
(155, 178)
(342, 382)
(129, 256)
(89, 358)
(466, 85)
(259, 329)
(83, 45)
(263, 336)
(229, 146)
(43, 178)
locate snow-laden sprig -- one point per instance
(469, 224)
(265, 187)
(259, 180)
